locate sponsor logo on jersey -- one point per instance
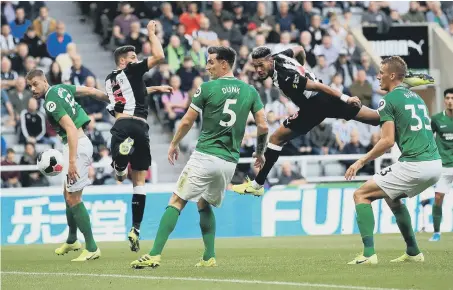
(448, 136)
(443, 126)
(381, 105)
(197, 92)
(296, 81)
(51, 106)
(397, 47)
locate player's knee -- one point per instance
(177, 202)
(276, 140)
(202, 204)
(73, 198)
(360, 196)
(438, 198)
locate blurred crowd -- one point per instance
(34, 37)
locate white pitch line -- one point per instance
(234, 281)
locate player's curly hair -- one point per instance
(396, 65)
(260, 52)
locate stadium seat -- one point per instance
(313, 169)
(334, 169)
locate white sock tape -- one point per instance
(274, 147)
(139, 189)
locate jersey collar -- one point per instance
(45, 96)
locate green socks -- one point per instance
(437, 217)
(365, 221)
(82, 219)
(72, 236)
(166, 226)
(403, 220)
(207, 226)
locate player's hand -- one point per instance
(165, 89)
(260, 160)
(151, 27)
(173, 154)
(352, 170)
(355, 101)
(72, 173)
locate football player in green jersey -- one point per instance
(225, 103)
(442, 125)
(68, 119)
(404, 120)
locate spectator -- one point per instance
(346, 68)
(217, 15)
(32, 124)
(263, 20)
(198, 55)
(317, 32)
(65, 60)
(58, 40)
(285, 42)
(30, 63)
(374, 16)
(169, 20)
(305, 41)
(249, 38)
(342, 130)
(395, 17)
(175, 103)
(20, 97)
(260, 39)
(230, 33)
(183, 37)
(18, 61)
(20, 24)
(54, 76)
(337, 83)
(145, 51)
(303, 18)
(353, 147)
(187, 74)
(7, 41)
(3, 147)
(95, 137)
(365, 132)
(298, 146)
(437, 15)
(323, 71)
(322, 139)
(268, 92)
(366, 66)
(7, 110)
(450, 28)
(79, 72)
(289, 176)
(92, 106)
(240, 19)
(285, 19)
(191, 18)
(11, 179)
(327, 49)
(174, 53)
(362, 88)
(122, 24)
(204, 35)
(43, 24)
(8, 76)
(354, 52)
(8, 11)
(272, 121)
(104, 173)
(338, 34)
(135, 37)
(31, 178)
(241, 60)
(414, 14)
(36, 47)
(283, 108)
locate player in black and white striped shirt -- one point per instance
(130, 140)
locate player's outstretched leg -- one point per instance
(365, 220)
(414, 80)
(208, 228)
(71, 244)
(437, 216)
(166, 226)
(82, 218)
(274, 148)
(403, 220)
(138, 208)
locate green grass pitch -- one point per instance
(316, 262)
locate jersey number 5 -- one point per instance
(227, 110)
(415, 116)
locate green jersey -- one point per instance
(59, 101)
(412, 124)
(442, 125)
(225, 104)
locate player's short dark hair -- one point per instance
(122, 51)
(10, 150)
(260, 52)
(448, 91)
(396, 65)
(224, 53)
(34, 73)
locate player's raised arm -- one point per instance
(82, 91)
(156, 47)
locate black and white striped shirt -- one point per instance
(291, 77)
(127, 91)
